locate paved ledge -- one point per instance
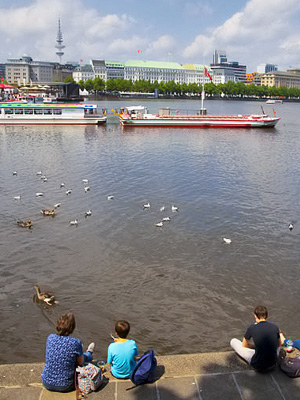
(220, 376)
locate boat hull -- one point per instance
(201, 122)
(48, 121)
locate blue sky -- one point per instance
(186, 31)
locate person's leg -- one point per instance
(242, 351)
(88, 355)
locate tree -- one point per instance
(89, 85)
(69, 79)
(98, 84)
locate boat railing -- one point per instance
(164, 112)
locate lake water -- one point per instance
(181, 287)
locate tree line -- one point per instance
(229, 89)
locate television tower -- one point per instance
(59, 41)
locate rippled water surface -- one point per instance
(180, 286)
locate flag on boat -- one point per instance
(206, 73)
(139, 51)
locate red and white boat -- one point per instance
(139, 116)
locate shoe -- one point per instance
(91, 347)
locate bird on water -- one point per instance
(47, 297)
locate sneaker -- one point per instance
(91, 347)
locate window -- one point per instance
(57, 112)
(38, 111)
(47, 111)
(28, 111)
(8, 111)
(19, 111)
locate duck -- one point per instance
(226, 240)
(166, 219)
(162, 208)
(174, 209)
(62, 185)
(110, 197)
(69, 191)
(146, 206)
(15, 173)
(47, 297)
(74, 222)
(159, 224)
(50, 213)
(87, 189)
(17, 197)
(57, 205)
(25, 224)
(291, 227)
(39, 194)
(88, 213)
(85, 181)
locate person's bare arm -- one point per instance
(248, 344)
(80, 360)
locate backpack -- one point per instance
(89, 378)
(144, 369)
(289, 365)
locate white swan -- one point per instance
(291, 227)
(88, 213)
(162, 208)
(85, 181)
(87, 189)
(110, 197)
(146, 206)
(62, 185)
(74, 222)
(17, 197)
(69, 191)
(174, 209)
(15, 173)
(226, 240)
(39, 194)
(166, 219)
(159, 224)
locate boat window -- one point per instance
(57, 112)
(47, 111)
(18, 110)
(28, 111)
(88, 111)
(8, 111)
(38, 111)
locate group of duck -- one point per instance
(51, 212)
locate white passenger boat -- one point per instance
(274, 101)
(139, 116)
(17, 113)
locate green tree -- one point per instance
(89, 85)
(69, 79)
(98, 84)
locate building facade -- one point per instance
(289, 79)
(25, 70)
(265, 68)
(224, 71)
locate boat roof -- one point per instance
(47, 105)
(132, 108)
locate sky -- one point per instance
(185, 31)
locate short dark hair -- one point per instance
(122, 328)
(261, 312)
(66, 324)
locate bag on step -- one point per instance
(89, 378)
(144, 369)
(289, 365)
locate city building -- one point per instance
(253, 78)
(160, 71)
(59, 41)
(24, 70)
(83, 73)
(265, 68)
(99, 69)
(2, 72)
(289, 79)
(224, 71)
(114, 70)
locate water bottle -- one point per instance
(289, 345)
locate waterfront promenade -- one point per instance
(212, 376)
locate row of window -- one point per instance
(31, 111)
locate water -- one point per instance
(182, 289)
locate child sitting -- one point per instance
(121, 354)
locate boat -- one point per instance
(16, 113)
(139, 116)
(274, 101)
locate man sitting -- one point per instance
(262, 351)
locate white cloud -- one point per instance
(257, 30)
(160, 47)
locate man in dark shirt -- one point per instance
(260, 343)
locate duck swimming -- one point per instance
(49, 213)
(25, 224)
(47, 297)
